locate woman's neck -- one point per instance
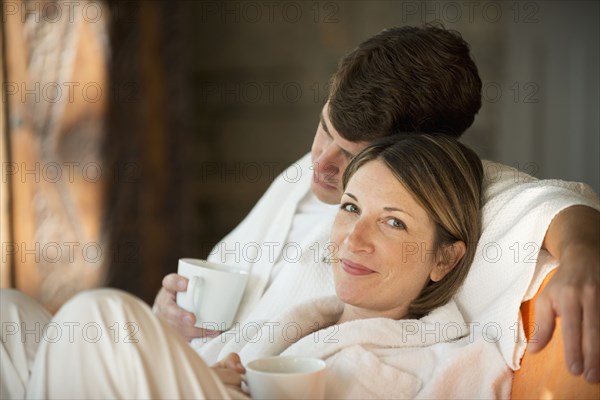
(351, 313)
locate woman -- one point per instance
(403, 240)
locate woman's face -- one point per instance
(384, 242)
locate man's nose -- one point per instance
(330, 159)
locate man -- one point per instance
(401, 81)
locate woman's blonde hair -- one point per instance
(445, 178)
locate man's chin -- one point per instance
(325, 193)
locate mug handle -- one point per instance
(195, 286)
(244, 385)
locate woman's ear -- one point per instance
(450, 256)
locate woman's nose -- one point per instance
(360, 237)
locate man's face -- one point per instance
(330, 156)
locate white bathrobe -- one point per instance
(261, 240)
(517, 212)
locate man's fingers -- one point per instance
(569, 309)
(174, 283)
(183, 321)
(544, 315)
(166, 306)
(591, 334)
(167, 309)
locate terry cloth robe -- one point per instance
(509, 265)
(380, 358)
(517, 212)
(435, 357)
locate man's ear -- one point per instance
(450, 256)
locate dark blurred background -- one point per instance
(205, 102)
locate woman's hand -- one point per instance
(230, 371)
(166, 308)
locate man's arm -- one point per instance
(573, 293)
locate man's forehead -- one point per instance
(348, 146)
(324, 122)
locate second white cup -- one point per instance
(286, 377)
(213, 294)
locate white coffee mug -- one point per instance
(286, 377)
(213, 293)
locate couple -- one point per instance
(375, 94)
(411, 79)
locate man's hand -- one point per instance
(230, 370)
(573, 293)
(166, 308)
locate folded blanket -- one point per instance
(378, 357)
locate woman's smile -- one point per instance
(353, 268)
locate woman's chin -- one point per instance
(346, 295)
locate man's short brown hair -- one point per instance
(403, 80)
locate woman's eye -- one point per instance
(396, 223)
(349, 207)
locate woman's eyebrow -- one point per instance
(384, 208)
(396, 209)
(351, 195)
(388, 209)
